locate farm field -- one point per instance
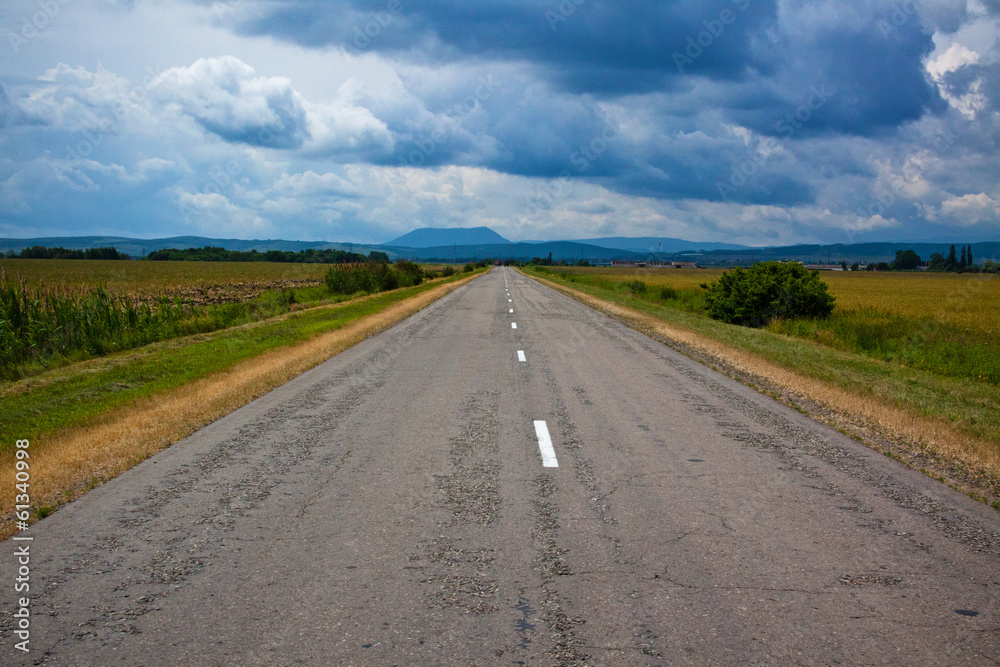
(201, 283)
(55, 312)
(943, 322)
(970, 300)
(143, 280)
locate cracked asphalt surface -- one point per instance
(390, 507)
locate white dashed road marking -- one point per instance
(520, 356)
(549, 459)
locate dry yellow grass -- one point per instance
(968, 300)
(866, 412)
(73, 458)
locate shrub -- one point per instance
(468, 268)
(370, 277)
(410, 274)
(765, 291)
(668, 293)
(43, 325)
(636, 286)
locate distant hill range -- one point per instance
(430, 237)
(569, 251)
(448, 248)
(836, 253)
(137, 248)
(656, 244)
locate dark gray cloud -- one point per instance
(632, 47)
(771, 119)
(610, 48)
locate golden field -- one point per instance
(969, 300)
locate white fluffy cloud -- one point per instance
(226, 97)
(970, 209)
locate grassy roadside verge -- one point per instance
(89, 422)
(946, 427)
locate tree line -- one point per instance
(208, 254)
(908, 260)
(41, 252)
(966, 262)
(310, 256)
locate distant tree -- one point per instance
(951, 262)
(855, 267)
(964, 261)
(542, 261)
(906, 260)
(768, 290)
(843, 265)
(970, 255)
(377, 256)
(883, 266)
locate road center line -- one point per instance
(512, 310)
(549, 459)
(513, 325)
(520, 356)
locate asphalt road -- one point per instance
(392, 507)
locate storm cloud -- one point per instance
(762, 122)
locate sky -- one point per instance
(761, 122)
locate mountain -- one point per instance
(429, 237)
(657, 244)
(570, 251)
